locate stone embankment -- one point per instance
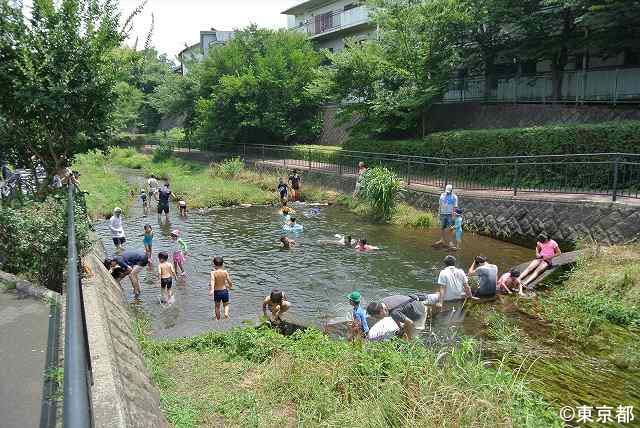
(123, 395)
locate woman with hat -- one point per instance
(117, 231)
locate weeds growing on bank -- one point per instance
(403, 215)
(224, 184)
(250, 377)
(106, 188)
(604, 287)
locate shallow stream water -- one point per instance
(317, 277)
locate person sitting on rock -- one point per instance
(546, 250)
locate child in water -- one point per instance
(182, 207)
(179, 252)
(277, 303)
(283, 191)
(359, 326)
(145, 201)
(147, 240)
(509, 283)
(166, 273)
(287, 243)
(457, 228)
(218, 287)
(293, 225)
(363, 246)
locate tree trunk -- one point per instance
(489, 73)
(558, 64)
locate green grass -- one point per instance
(107, 189)
(602, 289)
(250, 377)
(404, 215)
(223, 184)
(7, 286)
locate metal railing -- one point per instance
(77, 365)
(610, 85)
(616, 175)
(332, 21)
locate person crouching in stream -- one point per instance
(405, 311)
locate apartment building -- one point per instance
(208, 40)
(328, 23)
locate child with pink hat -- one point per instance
(179, 251)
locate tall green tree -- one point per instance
(391, 82)
(56, 78)
(254, 89)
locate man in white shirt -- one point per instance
(384, 329)
(447, 207)
(453, 282)
(153, 186)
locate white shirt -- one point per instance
(384, 329)
(153, 183)
(115, 224)
(453, 280)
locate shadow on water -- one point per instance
(317, 277)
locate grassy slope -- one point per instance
(603, 288)
(259, 378)
(405, 215)
(203, 186)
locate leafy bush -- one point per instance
(229, 168)
(607, 137)
(380, 188)
(33, 239)
(162, 152)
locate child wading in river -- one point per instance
(218, 288)
(182, 207)
(147, 240)
(166, 273)
(457, 228)
(145, 201)
(179, 252)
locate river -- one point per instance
(317, 278)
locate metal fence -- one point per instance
(610, 174)
(77, 363)
(614, 86)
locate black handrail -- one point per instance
(77, 399)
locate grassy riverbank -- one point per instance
(203, 186)
(602, 289)
(254, 377)
(404, 215)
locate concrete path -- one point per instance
(24, 324)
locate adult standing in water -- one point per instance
(117, 230)
(164, 194)
(130, 263)
(546, 250)
(153, 186)
(447, 207)
(362, 171)
(404, 310)
(295, 181)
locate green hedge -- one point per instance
(598, 138)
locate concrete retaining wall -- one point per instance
(123, 395)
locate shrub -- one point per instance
(380, 187)
(33, 239)
(229, 168)
(162, 152)
(607, 137)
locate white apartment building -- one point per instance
(329, 22)
(208, 39)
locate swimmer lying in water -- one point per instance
(293, 225)
(363, 246)
(287, 243)
(343, 240)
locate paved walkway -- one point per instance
(24, 324)
(522, 195)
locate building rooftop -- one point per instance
(306, 5)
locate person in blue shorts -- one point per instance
(218, 289)
(447, 206)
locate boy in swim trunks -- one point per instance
(218, 289)
(166, 273)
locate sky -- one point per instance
(179, 22)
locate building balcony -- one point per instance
(611, 86)
(319, 26)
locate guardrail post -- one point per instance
(263, 154)
(408, 172)
(309, 159)
(616, 168)
(615, 89)
(446, 172)
(244, 150)
(515, 178)
(77, 402)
